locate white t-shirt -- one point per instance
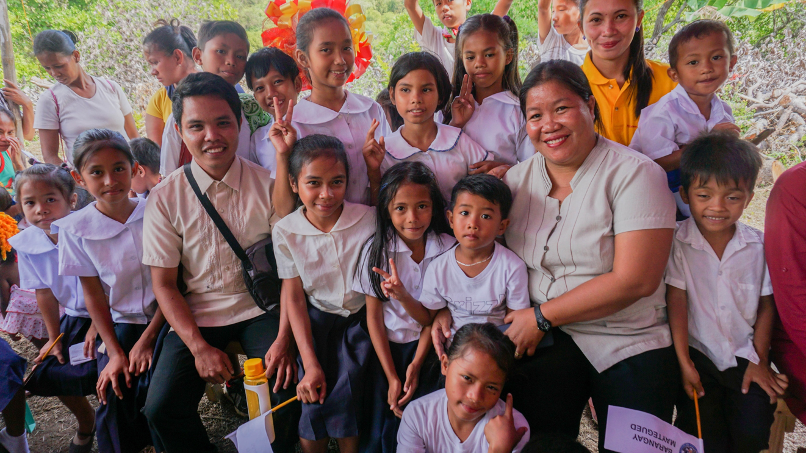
(722, 294)
(262, 150)
(449, 156)
(106, 109)
(503, 284)
(425, 427)
(433, 40)
(401, 328)
(555, 47)
(497, 125)
(172, 145)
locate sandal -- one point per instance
(87, 447)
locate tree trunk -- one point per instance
(658, 21)
(9, 71)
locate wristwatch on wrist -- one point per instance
(542, 324)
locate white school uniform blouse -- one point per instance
(497, 125)
(449, 156)
(485, 298)
(401, 328)
(350, 125)
(326, 262)
(92, 244)
(433, 40)
(425, 427)
(38, 262)
(261, 150)
(555, 47)
(675, 120)
(722, 294)
(564, 245)
(172, 145)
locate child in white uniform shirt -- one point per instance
(317, 248)
(103, 245)
(468, 415)
(560, 35)
(418, 87)
(701, 56)
(411, 231)
(46, 193)
(485, 91)
(720, 304)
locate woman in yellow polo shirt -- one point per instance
(168, 51)
(622, 80)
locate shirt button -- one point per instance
(719, 273)
(552, 279)
(335, 265)
(722, 307)
(559, 217)
(137, 288)
(610, 87)
(783, 270)
(545, 248)
(349, 147)
(616, 109)
(132, 258)
(416, 287)
(220, 210)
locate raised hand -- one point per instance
(13, 93)
(374, 150)
(501, 434)
(392, 286)
(464, 105)
(282, 135)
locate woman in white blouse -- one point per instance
(595, 230)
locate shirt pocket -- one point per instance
(746, 297)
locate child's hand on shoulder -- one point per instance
(691, 380)
(392, 286)
(374, 150)
(501, 434)
(728, 127)
(762, 374)
(464, 105)
(283, 136)
(110, 375)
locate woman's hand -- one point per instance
(691, 380)
(312, 388)
(55, 351)
(464, 105)
(392, 286)
(15, 152)
(501, 434)
(500, 171)
(523, 331)
(283, 136)
(89, 342)
(118, 364)
(13, 93)
(441, 331)
(141, 354)
(773, 384)
(281, 359)
(485, 167)
(374, 150)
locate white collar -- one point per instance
(232, 178)
(689, 233)
(32, 240)
(446, 139)
(504, 97)
(434, 245)
(309, 113)
(686, 103)
(91, 224)
(350, 216)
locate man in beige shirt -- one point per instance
(216, 308)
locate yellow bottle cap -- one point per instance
(253, 367)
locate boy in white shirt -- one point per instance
(147, 154)
(719, 299)
(479, 280)
(701, 57)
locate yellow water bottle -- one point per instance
(256, 386)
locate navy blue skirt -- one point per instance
(12, 371)
(343, 348)
(121, 426)
(52, 378)
(382, 424)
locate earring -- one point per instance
(584, 38)
(637, 29)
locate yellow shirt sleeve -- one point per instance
(160, 105)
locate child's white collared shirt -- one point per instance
(449, 156)
(92, 244)
(504, 284)
(433, 40)
(401, 328)
(497, 125)
(675, 120)
(350, 125)
(555, 47)
(38, 262)
(171, 147)
(326, 262)
(722, 294)
(262, 150)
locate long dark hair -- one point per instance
(486, 338)
(637, 70)
(507, 32)
(565, 73)
(383, 244)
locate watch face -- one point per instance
(544, 325)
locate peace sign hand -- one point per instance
(374, 150)
(501, 433)
(392, 286)
(464, 105)
(282, 135)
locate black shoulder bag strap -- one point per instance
(217, 220)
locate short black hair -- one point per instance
(427, 61)
(204, 84)
(722, 156)
(147, 153)
(565, 73)
(315, 146)
(698, 29)
(264, 60)
(213, 28)
(57, 41)
(487, 186)
(486, 338)
(92, 141)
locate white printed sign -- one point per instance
(255, 435)
(636, 431)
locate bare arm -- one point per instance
(502, 7)
(130, 126)
(543, 19)
(283, 197)
(671, 161)
(762, 330)
(312, 388)
(49, 142)
(49, 307)
(377, 332)
(154, 128)
(677, 308)
(772, 383)
(416, 14)
(98, 307)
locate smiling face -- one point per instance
(7, 130)
(107, 175)
(476, 221)
(210, 131)
(42, 203)
(64, 68)
(167, 69)
(485, 60)
(703, 64)
(411, 210)
(225, 55)
(565, 17)
(716, 207)
(609, 26)
(473, 383)
(416, 97)
(275, 85)
(452, 13)
(330, 57)
(321, 185)
(560, 124)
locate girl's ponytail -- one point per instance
(170, 36)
